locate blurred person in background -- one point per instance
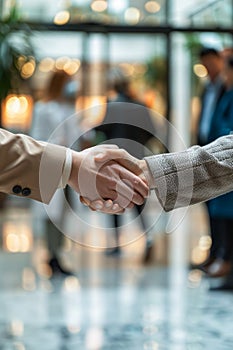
(57, 105)
(214, 87)
(217, 120)
(212, 60)
(127, 123)
(221, 208)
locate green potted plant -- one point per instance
(16, 50)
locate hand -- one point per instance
(104, 206)
(135, 165)
(102, 178)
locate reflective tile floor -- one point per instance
(134, 308)
(109, 304)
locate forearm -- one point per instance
(194, 175)
(29, 164)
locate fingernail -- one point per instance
(98, 206)
(115, 207)
(108, 204)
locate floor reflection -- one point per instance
(108, 304)
(136, 312)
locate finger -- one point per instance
(84, 201)
(108, 204)
(107, 207)
(97, 205)
(136, 182)
(126, 194)
(133, 182)
(122, 157)
(108, 145)
(104, 149)
(116, 209)
(109, 154)
(123, 191)
(131, 205)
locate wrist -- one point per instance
(73, 178)
(147, 173)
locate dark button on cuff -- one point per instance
(17, 189)
(26, 191)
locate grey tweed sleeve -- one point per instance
(194, 175)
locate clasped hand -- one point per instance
(109, 179)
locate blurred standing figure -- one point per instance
(127, 123)
(216, 121)
(213, 90)
(221, 208)
(57, 105)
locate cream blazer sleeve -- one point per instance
(30, 168)
(194, 175)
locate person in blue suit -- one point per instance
(213, 90)
(221, 209)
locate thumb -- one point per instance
(101, 157)
(122, 157)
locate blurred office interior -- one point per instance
(111, 302)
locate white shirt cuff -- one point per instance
(67, 169)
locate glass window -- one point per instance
(215, 14)
(130, 12)
(143, 58)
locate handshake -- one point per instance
(109, 179)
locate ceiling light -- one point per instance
(61, 17)
(99, 5)
(132, 15)
(152, 6)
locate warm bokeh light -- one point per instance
(99, 5)
(94, 108)
(132, 15)
(16, 105)
(61, 18)
(205, 242)
(200, 70)
(201, 251)
(17, 237)
(71, 67)
(28, 69)
(61, 62)
(198, 255)
(17, 111)
(46, 65)
(12, 242)
(20, 61)
(25, 243)
(71, 284)
(152, 6)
